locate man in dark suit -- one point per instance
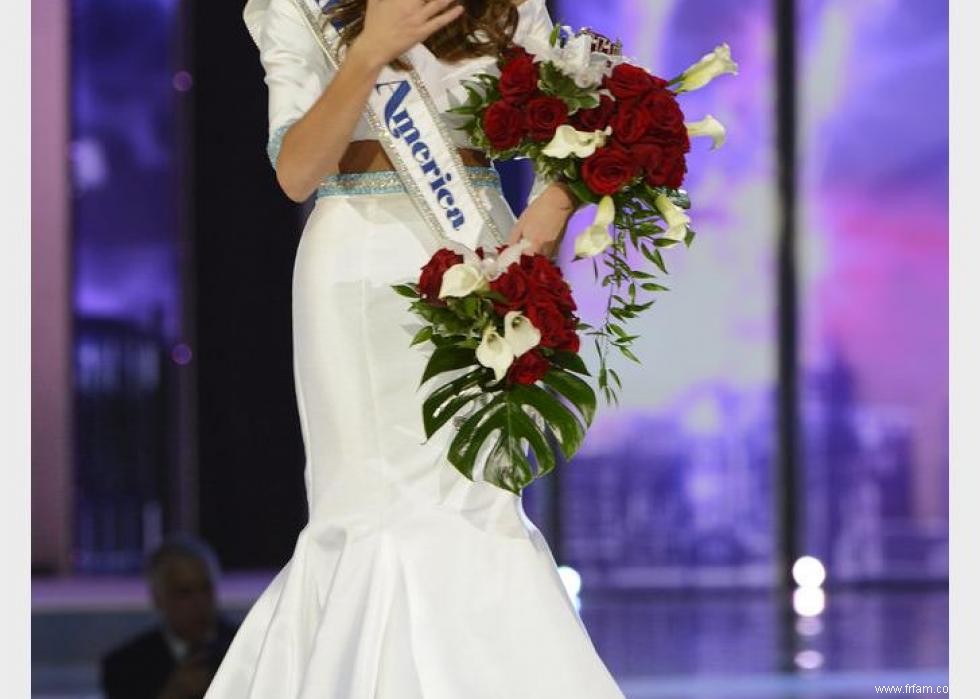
(178, 658)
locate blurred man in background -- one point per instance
(178, 658)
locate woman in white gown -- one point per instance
(409, 581)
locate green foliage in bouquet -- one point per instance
(501, 421)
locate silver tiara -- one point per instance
(602, 43)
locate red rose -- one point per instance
(629, 123)
(666, 119)
(541, 270)
(674, 169)
(548, 319)
(513, 52)
(519, 79)
(514, 285)
(430, 280)
(663, 166)
(565, 300)
(608, 169)
(544, 115)
(546, 281)
(597, 118)
(503, 123)
(528, 368)
(627, 81)
(569, 340)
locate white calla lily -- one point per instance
(596, 238)
(711, 65)
(494, 352)
(569, 141)
(462, 279)
(491, 265)
(495, 265)
(674, 217)
(520, 333)
(709, 126)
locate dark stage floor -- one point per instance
(660, 644)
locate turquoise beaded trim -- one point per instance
(388, 182)
(275, 142)
(379, 182)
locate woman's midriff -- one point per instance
(369, 156)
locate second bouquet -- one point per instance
(504, 322)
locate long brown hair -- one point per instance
(496, 20)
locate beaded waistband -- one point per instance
(388, 182)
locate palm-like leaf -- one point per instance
(514, 420)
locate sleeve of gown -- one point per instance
(296, 71)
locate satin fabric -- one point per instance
(409, 581)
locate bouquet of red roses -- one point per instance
(616, 134)
(504, 323)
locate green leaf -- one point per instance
(408, 290)
(658, 260)
(422, 335)
(568, 428)
(571, 361)
(555, 32)
(473, 431)
(446, 401)
(617, 329)
(629, 354)
(507, 465)
(615, 376)
(651, 286)
(575, 390)
(447, 359)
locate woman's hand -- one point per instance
(391, 27)
(545, 219)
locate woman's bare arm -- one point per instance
(313, 146)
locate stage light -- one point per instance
(573, 583)
(572, 580)
(809, 659)
(181, 354)
(183, 81)
(809, 601)
(809, 626)
(809, 572)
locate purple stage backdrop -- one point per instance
(874, 241)
(675, 486)
(682, 470)
(129, 256)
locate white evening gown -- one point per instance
(409, 581)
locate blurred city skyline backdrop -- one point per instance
(678, 481)
(162, 394)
